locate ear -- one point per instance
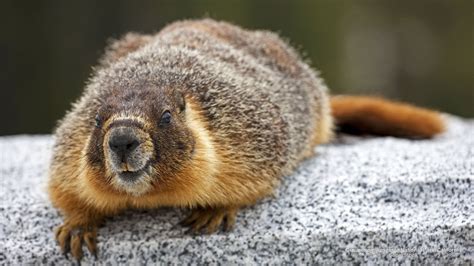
(117, 49)
(180, 100)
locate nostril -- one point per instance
(131, 146)
(123, 143)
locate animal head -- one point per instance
(140, 138)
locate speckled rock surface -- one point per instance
(359, 200)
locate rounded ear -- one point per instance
(180, 100)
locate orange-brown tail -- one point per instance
(372, 115)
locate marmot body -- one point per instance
(203, 115)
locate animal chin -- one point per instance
(130, 176)
(134, 183)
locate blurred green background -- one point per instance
(418, 51)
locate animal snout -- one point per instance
(123, 141)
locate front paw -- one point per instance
(71, 237)
(210, 219)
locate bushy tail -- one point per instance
(372, 115)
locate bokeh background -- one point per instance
(418, 51)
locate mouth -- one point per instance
(129, 176)
(132, 176)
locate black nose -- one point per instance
(123, 142)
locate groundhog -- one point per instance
(203, 115)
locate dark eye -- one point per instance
(165, 118)
(98, 121)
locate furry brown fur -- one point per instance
(371, 115)
(245, 110)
